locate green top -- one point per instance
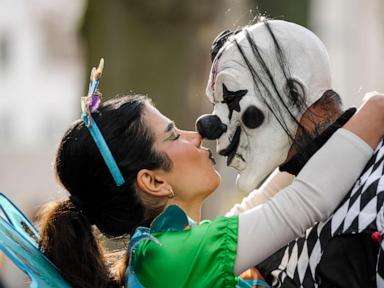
(199, 256)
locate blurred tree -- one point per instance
(291, 10)
(152, 47)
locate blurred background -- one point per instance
(159, 48)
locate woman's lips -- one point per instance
(230, 151)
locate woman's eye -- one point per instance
(175, 136)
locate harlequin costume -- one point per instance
(346, 250)
(264, 78)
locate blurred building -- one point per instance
(353, 32)
(41, 80)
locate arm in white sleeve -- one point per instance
(275, 182)
(312, 197)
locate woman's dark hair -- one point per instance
(67, 237)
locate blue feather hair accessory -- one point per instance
(89, 105)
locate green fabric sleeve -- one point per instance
(203, 256)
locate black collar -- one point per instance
(298, 161)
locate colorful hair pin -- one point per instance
(90, 104)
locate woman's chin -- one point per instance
(216, 179)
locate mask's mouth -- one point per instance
(230, 151)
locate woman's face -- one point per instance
(193, 175)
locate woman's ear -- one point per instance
(151, 182)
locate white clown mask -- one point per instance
(262, 80)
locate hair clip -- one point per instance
(89, 105)
(91, 102)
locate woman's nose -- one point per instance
(194, 137)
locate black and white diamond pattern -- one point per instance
(380, 257)
(362, 211)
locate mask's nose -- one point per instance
(210, 126)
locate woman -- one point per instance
(166, 177)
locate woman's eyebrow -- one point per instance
(170, 127)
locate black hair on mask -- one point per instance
(219, 41)
(278, 102)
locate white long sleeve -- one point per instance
(275, 183)
(312, 197)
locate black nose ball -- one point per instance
(210, 126)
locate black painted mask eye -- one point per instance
(232, 99)
(252, 117)
(295, 92)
